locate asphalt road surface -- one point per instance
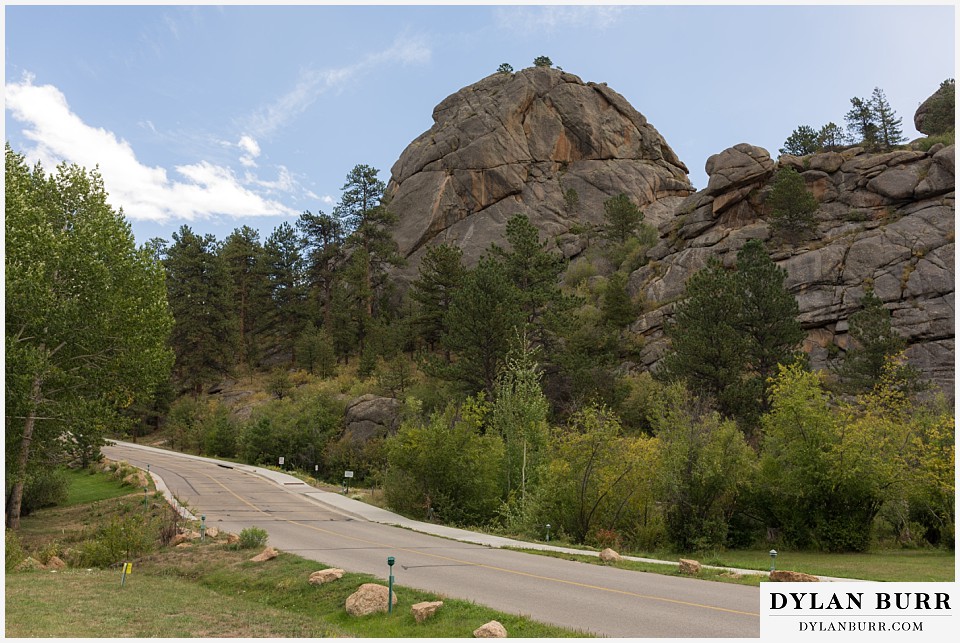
(589, 598)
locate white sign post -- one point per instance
(346, 481)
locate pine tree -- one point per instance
(768, 313)
(484, 314)
(616, 306)
(707, 348)
(204, 337)
(368, 222)
(242, 253)
(323, 241)
(441, 274)
(731, 331)
(889, 127)
(791, 204)
(802, 141)
(535, 273)
(621, 217)
(862, 123)
(284, 268)
(830, 137)
(877, 341)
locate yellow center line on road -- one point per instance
(490, 567)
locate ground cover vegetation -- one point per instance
(517, 411)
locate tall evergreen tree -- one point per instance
(283, 264)
(732, 330)
(877, 341)
(616, 306)
(242, 253)
(484, 314)
(768, 315)
(370, 243)
(201, 297)
(323, 240)
(862, 123)
(707, 348)
(889, 127)
(441, 274)
(535, 274)
(621, 217)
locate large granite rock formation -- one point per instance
(542, 142)
(539, 142)
(884, 221)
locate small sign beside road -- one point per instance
(348, 474)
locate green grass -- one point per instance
(654, 568)
(208, 590)
(905, 565)
(87, 486)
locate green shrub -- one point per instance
(579, 270)
(946, 138)
(252, 538)
(123, 538)
(44, 488)
(13, 550)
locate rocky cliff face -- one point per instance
(539, 142)
(543, 143)
(884, 221)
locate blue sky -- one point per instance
(218, 117)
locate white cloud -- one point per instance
(535, 19)
(251, 151)
(143, 192)
(312, 83)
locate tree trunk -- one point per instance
(15, 500)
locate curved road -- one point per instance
(580, 596)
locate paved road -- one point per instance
(320, 526)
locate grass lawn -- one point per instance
(906, 565)
(88, 486)
(914, 565)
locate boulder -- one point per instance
(423, 611)
(738, 166)
(688, 566)
(29, 564)
(212, 532)
(369, 416)
(369, 598)
(326, 576)
(267, 554)
(935, 114)
(491, 630)
(232, 539)
(56, 563)
(785, 576)
(609, 556)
